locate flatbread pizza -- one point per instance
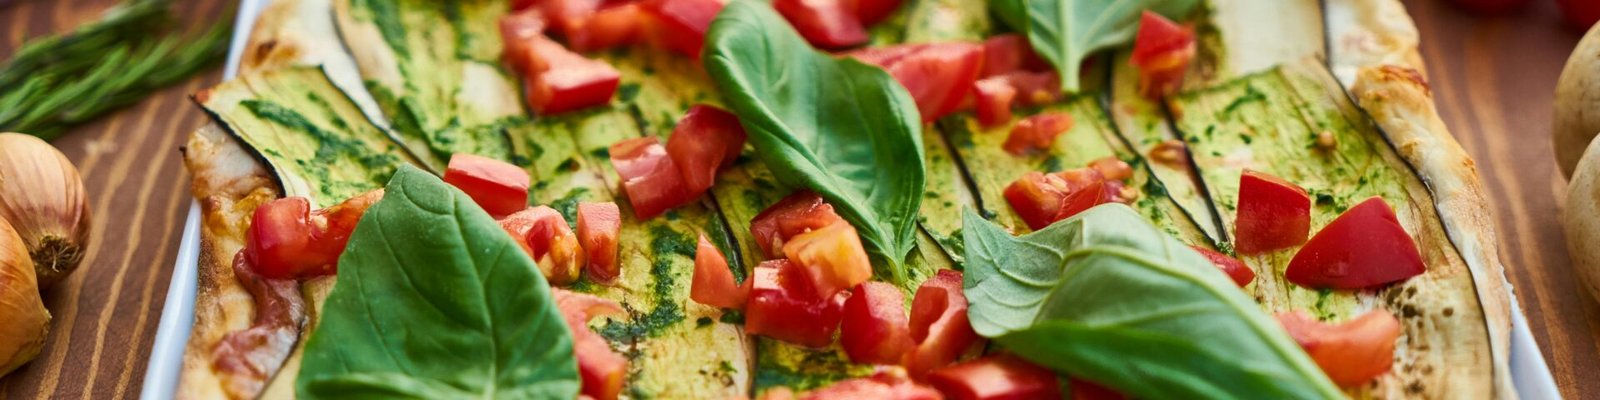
(696, 197)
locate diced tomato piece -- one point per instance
(1236, 270)
(279, 240)
(1351, 353)
(1364, 247)
(1037, 132)
(1112, 167)
(799, 212)
(875, 330)
(994, 97)
(705, 139)
(939, 324)
(546, 237)
(938, 76)
(832, 257)
(497, 186)
(601, 370)
(519, 5)
(713, 283)
(1086, 390)
(557, 80)
(653, 182)
(1008, 53)
(783, 306)
(873, 11)
(608, 27)
(571, 83)
(287, 240)
(884, 385)
(569, 16)
(681, 25)
(828, 24)
(1037, 198)
(1272, 214)
(519, 32)
(1161, 51)
(599, 226)
(1086, 198)
(996, 377)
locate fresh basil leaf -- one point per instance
(846, 130)
(434, 300)
(1108, 297)
(1065, 32)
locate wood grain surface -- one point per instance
(1493, 77)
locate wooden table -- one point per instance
(1493, 78)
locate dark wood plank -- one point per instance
(1494, 80)
(105, 314)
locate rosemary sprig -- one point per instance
(55, 82)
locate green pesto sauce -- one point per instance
(664, 243)
(386, 17)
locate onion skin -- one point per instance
(23, 318)
(42, 196)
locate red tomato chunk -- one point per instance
(1351, 353)
(546, 237)
(713, 283)
(681, 25)
(1037, 132)
(1161, 51)
(1364, 247)
(828, 24)
(784, 306)
(1272, 214)
(287, 240)
(938, 76)
(556, 79)
(497, 186)
(884, 385)
(1042, 199)
(1240, 274)
(705, 139)
(599, 225)
(939, 324)
(832, 258)
(875, 329)
(994, 378)
(800, 212)
(653, 182)
(602, 371)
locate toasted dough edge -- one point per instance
(1399, 101)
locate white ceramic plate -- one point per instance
(1529, 372)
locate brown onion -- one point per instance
(42, 196)
(23, 319)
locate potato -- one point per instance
(1577, 117)
(23, 319)
(1582, 219)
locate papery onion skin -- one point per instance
(23, 318)
(42, 195)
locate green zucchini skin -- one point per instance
(433, 68)
(313, 137)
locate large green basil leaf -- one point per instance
(1066, 31)
(844, 129)
(1108, 297)
(435, 301)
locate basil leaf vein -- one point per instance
(1065, 32)
(846, 130)
(435, 301)
(1108, 297)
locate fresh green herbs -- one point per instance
(1067, 31)
(841, 128)
(1110, 298)
(55, 82)
(435, 301)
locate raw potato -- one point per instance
(23, 319)
(1582, 219)
(1577, 118)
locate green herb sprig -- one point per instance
(55, 82)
